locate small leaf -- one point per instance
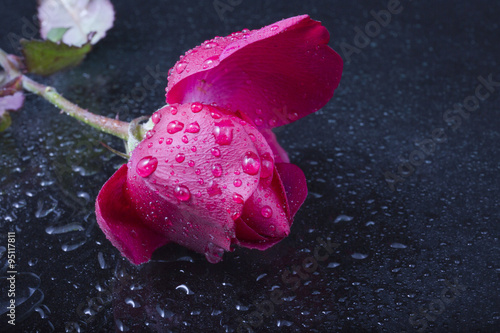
(56, 34)
(81, 17)
(46, 57)
(5, 120)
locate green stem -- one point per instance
(107, 125)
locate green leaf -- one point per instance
(5, 121)
(56, 34)
(47, 57)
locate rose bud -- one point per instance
(204, 179)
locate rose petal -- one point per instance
(121, 224)
(295, 185)
(200, 150)
(281, 156)
(272, 76)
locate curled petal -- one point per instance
(271, 76)
(120, 223)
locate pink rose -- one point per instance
(210, 173)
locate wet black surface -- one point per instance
(424, 257)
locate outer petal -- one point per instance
(199, 150)
(121, 224)
(272, 76)
(294, 184)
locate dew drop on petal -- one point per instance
(169, 141)
(267, 165)
(191, 163)
(223, 132)
(149, 134)
(210, 45)
(237, 182)
(173, 110)
(180, 157)
(180, 67)
(274, 28)
(266, 211)
(251, 163)
(217, 170)
(196, 107)
(185, 139)
(259, 121)
(155, 118)
(193, 127)
(238, 198)
(182, 193)
(210, 62)
(174, 126)
(215, 151)
(146, 166)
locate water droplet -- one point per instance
(180, 157)
(266, 211)
(173, 110)
(343, 218)
(217, 170)
(185, 139)
(267, 165)
(398, 246)
(146, 166)
(174, 126)
(238, 198)
(210, 62)
(196, 107)
(360, 256)
(259, 121)
(184, 288)
(182, 193)
(274, 27)
(215, 114)
(223, 132)
(213, 253)
(191, 163)
(201, 181)
(272, 122)
(237, 182)
(169, 141)
(293, 116)
(210, 45)
(197, 171)
(215, 151)
(193, 127)
(193, 148)
(155, 118)
(251, 163)
(180, 67)
(149, 134)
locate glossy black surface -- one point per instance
(424, 257)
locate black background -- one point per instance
(397, 253)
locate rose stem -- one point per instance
(107, 125)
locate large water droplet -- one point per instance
(210, 62)
(237, 182)
(174, 126)
(251, 163)
(196, 107)
(223, 132)
(182, 193)
(217, 170)
(180, 67)
(215, 151)
(146, 166)
(180, 157)
(193, 127)
(267, 212)
(185, 139)
(213, 253)
(155, 118)
(267, 165)
(173, 110)
(238, 198)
